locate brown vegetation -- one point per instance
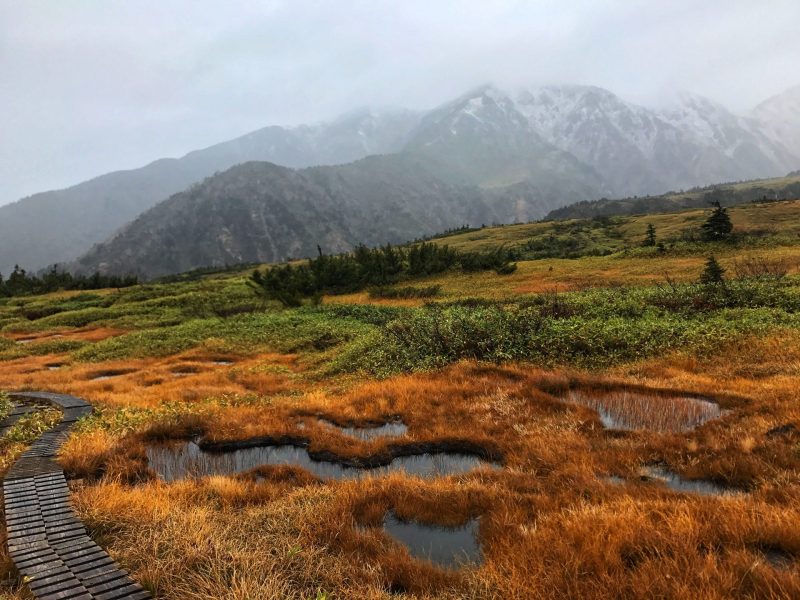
(550, 525)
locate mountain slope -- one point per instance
(730, 194)
(59, 225)
(260, 212)
(645, 151)
(779, 117)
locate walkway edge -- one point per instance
(47, 542)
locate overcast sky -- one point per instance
(89, 86)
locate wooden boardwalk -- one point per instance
(46, 541)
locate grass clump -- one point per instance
(32, 425)
(5, 405)
(23, 432)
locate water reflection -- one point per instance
(444, 546)
(179, 461)
(630, 410)
(691, 486)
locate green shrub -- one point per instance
(589, 334)
(365, 313)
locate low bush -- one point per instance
(591, 329)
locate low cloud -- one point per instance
(93, 86)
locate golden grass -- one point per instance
(145, 383)
(562, 275)
(550, 526)
(779, 216)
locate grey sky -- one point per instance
(89, 86)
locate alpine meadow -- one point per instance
(525, 339)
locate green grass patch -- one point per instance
(287, 331)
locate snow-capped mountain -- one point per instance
(622, 141)
(482, 138)
(645, 151)
(539, 149)
(779, 118)
(729, 146)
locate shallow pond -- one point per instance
(178, 461)
(690, 486)
(102, 376)
(633, 410)
(444, 546)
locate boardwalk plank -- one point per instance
(47, 542)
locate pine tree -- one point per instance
(718, 226)
(713, 273)
(650, 236)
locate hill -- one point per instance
(731, 194)
(59, 225)
(260, 212)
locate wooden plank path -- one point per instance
(46, 541)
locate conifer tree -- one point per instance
(650, 236)
(718, 226)
(713, 274)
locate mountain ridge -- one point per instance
(261, 212)
(582, 142)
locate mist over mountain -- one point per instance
(544, 147)
(56, 226)
(779, 118)
(261, 212)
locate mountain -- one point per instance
(547, 147)
(779, 117)
(261, 212)
(59, 225)
(645, 151)
(484, 138)
(727, 147)
(627, 143)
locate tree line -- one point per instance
(22, 283)
(369, 267)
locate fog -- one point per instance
(90, 86)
